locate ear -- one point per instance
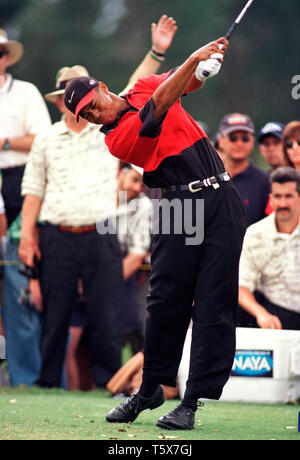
(59, 102)
(103, 87)
(220, 141)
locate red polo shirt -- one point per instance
(173, 151)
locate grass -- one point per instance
(35, 414)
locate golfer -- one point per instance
(149, 128)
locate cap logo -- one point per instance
(71, 97)
(237, 120)
(92, 82)
(270, 127)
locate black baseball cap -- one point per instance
(79, 93)
(236, 122)
(272, 128)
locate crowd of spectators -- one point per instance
(81, 222)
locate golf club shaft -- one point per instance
(234, 25)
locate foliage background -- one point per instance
(110, 37)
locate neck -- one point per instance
(288, 226)
(72, 124)
(235, 167)
(3, 77)
(121, 102)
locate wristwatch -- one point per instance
(6, 145)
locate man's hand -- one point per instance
(266, 320)
(212, 66)
(2, 142)
(35, 291)
(212, 48)
(28, 249)
(163, 33)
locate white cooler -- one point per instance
(266, 367)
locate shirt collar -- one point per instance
(64, 129)
(279, 235)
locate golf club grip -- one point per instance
(228, 35)
(231, 30)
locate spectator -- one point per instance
(77, 361)
(270, 260)
(291, 144)
(73, 191)
(133, 226)
(236, 141)
(270, 145)
(23, 114)
(134, 233)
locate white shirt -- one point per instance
(74, 174)
(270, 263)
(22, 112)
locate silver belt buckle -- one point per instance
(194, 190)
(214, 183)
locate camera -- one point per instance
(30, 272)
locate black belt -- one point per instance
(198, 185)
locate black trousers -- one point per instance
(199, 283)
(97, 260)
(11, 191)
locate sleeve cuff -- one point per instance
(150, 128)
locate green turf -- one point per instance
(31, 413)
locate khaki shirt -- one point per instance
(74, 174)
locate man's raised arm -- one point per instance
(162, 35)
(184, 79)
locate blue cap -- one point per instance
(272, 128)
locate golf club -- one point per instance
(234, 26)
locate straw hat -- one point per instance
(15, 49)
(63, 76)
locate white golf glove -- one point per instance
(212, 66)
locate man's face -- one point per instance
(285, 201)
(271, 149)
(131, 182)
(4, 60)
(102, 110)
(237, 145)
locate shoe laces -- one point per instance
(199, 404)
(178, 409)
(131, 401)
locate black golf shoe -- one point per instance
(129, 409)
(180, 418)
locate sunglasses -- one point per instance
(234, 137)
(2, 53)
(289, 144)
